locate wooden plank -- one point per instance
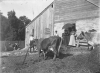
(66, 10)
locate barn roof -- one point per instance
(40, 14)
(72, 10)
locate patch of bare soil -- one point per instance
(66, 63)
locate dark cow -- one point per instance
(50, 44)
(33, 44)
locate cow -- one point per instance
(33, 44)
(49, 44)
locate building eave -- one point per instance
(40, 14)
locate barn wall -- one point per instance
(45, 20)
(28, 33)
(68, 10)
(42, 22)
(81, 25)
(89, 24)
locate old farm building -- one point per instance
(42, 25)
(84, 13)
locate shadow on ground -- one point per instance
(50, 55)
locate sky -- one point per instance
(29, 8)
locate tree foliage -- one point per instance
(13, 28)
(25, 20)
(3, 26)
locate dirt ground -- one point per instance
(74, 61)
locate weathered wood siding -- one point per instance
(73, 10)
(40, 24)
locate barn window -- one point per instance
(33, 32)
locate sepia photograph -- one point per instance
(49, 36)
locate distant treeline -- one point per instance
(13, 28)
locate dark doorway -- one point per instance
(72, 27)
(68, 28)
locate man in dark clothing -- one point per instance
(66, 37)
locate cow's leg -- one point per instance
(55, 54)
(54, 49)
(39, 52)
(31, 46)
(30, 49)
(54, 58)
(44, 54)
(14, 48)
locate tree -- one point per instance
(25, 20)
(21, 31)
(14, 24)
(13, 28)
(4, 26)
(13, 20)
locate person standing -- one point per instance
(72, 39)
(56, 33)
(31, 42)
(66, 37)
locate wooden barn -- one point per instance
(61, 12)
(84, 13)
(41, 26)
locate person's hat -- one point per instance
(56, 31)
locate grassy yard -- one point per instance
(83, 62)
